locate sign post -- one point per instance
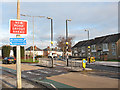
(18, 27)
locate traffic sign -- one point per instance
(18, 26)
(17, 41)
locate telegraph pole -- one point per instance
(18, 63)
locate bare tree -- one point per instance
(61, 43)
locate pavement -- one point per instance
(61, 79)
(107, 63)
(84, 81)
(9, 81)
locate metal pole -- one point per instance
(25, 56)
(18, 64)
(88, 49)
(52, 41)
(51, 32)
(88, 34)
(33, 39)
(67, 41)
(66, 31)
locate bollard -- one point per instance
(84, 64)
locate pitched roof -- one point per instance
(98, 40)
(31, 48)
(112, 38)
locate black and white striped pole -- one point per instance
(89, 50)
(67, 40)
(51, 39)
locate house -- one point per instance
(105, 47)
(58, 52)
(37, 51)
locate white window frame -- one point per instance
(83, 49)
(113, 49)
(105, 47)
(93, 48)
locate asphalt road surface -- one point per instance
(99, 70)
(43, 73)
(9, 75)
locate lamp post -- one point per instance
(67, 38)
(51, 37)
(88, 47)
(88, 33)
(33, 30)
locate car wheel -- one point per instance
(5, 62)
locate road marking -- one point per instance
(33, 73)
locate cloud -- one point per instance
(101, 18)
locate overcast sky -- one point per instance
(100, 18)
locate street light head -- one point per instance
(49, 18)
(86, 30)
(69, 19)
(25, 15)
(22, 14)
(41, 16)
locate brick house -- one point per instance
(103, 48)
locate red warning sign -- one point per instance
(18, 26)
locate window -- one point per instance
(105, 47)
(113, 49)
(80, 54)
(83, 49)
(93, 48)
(99, 47)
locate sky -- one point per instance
(100, 18)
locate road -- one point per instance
(99, 70)
(8, 80)
(62, 77)
(75, 79)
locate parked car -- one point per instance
(8, 60)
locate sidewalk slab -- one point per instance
(78, 69)
(23, 67)
(85, 81)
(9, 81)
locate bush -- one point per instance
(21, 51)
(5, 51)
